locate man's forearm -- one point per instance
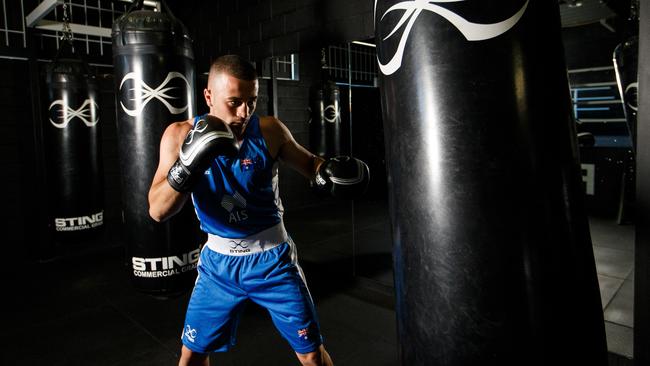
(164, 201)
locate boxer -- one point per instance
(227, 163)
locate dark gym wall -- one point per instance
(257, 29)
(15, 123)
(590, 45)
(293, 100)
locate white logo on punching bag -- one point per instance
(145, 93)
(471, 31)
(331, 114)
(631, 96)
(87, 113)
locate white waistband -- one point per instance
(256, 243)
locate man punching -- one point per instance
(226, 161)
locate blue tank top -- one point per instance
(238, 197)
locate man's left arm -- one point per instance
(284, 147)
(341, 176)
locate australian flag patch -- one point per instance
(247, 164)
(303, 333)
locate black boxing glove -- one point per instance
(342, 177)
(210, 137)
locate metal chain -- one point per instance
(67, 31)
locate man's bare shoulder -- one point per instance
(275, 133)
(182, 126)
(269, 121)
(273, 126)
(178, 130)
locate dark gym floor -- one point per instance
(82, 310)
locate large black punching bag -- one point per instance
(493, 260)
(325, 117)
(72, 141)
(154, 81)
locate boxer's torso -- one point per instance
(238, 197)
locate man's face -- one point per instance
(232, 100)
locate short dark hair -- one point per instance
(234, 65)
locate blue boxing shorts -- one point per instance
(261, 269)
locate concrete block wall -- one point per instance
(15, 128)
(257, 29)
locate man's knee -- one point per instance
(191, 358)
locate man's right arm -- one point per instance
(180, 168)
(164, 201)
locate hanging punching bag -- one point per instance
(325, 118)
(625, 59)
(154, 83)
(72, 139)
(625, 64)
(493, 262)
